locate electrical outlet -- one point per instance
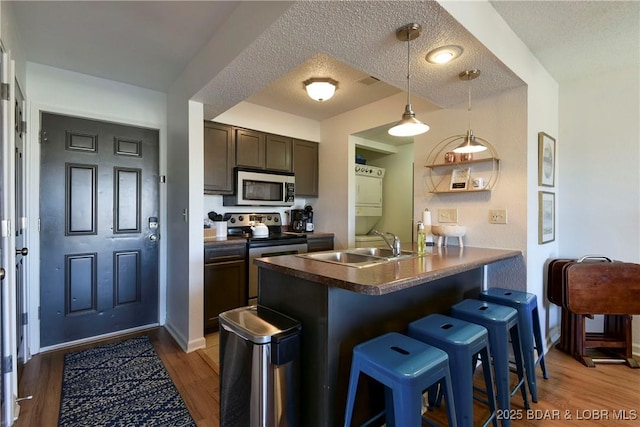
(497, 216)
(448, 215)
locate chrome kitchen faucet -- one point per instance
(395, 246)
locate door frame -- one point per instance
(32, 164)
(8, 241)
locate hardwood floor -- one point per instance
(192, 374)
(573, 394)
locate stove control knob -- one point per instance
(232, 220)
(240, 218)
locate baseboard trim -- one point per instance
(98, 338)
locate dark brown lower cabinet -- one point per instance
(224, 281)
(319, 243)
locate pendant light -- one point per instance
(470, 143)
(409, 125)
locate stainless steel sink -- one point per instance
(382, 252)
(344, 258)
(359, 257)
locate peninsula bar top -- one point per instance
(384, 278)
(340, 306)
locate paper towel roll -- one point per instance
(426, 220)
(426, 217)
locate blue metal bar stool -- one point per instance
(527, 306)
(463, 342)
(501, 322)
(406, 367)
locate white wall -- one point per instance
(63, 92)
(600, 174)
(185, 178)
(502, 121)
(11, 42)
(337, 156)
(481, 19)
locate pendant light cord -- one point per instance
(469, 109)
(408, 66)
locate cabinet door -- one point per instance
(250, 148)
(305, 167)
(317, 244)
(368, 191)
(224, 289)
(278, 153)
(219, 158)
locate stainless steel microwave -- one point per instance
(255, 187)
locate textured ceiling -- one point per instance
(574, 39)
(149, 43)
(360, 35)
(143, 43)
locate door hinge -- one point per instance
(7, 365)
(38, 312)
(25, 319)
(42, 137)
(4, 91)
(22, 127)
(163, 179)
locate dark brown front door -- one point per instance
(98, 228)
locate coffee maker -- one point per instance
(302, 219)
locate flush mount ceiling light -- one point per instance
(320, 88)
(409, 125)
(470, 142)
(444, 54)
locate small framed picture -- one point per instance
(460, 179)
(546, 160)
(546, 217)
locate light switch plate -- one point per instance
(448, 215)
(497, 216)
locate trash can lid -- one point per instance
(259, 324)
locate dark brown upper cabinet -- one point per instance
(250, 148)
(219, 158)
(278, 153)
(305, 167)
(227, 146)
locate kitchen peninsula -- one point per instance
(340, 306)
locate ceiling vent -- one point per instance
(368, 81)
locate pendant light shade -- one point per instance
(320, 89)
(470, 143)
(409, 125)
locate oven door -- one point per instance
(268, 251)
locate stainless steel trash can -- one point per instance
(259, 368)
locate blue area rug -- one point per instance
(120, 384)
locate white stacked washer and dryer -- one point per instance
(369, 181)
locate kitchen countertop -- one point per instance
(236, 239)
(391, 276)
(226, 240)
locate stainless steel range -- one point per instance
(276, 242)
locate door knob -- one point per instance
(2, 273)
(153, 237)
(23, 251)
